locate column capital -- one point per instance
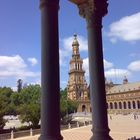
(91, 8)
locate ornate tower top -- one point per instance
(75, 41)
(75, 46)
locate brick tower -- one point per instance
(77, 88)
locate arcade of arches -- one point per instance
(122, 98)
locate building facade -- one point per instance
(77, 88)
(124, 98)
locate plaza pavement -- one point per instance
(122, 127)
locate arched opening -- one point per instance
(129, 105)
(76, 66)
(115, 105)
(111, 105)
(138, 104)
(120, 105)
(107, 105)
(83, 108)
(90, 109)
(134, 105)
(124, 105)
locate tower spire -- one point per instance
(75, 45)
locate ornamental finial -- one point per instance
(75, 36)
(75, 41)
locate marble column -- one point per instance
(50, 87)
(93, 11)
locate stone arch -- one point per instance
(107, 106)
(83, 108)
(129, 105)
(115, 105)
(124, 105)
(133, 104)
(90, 109)
(120, 105)
(78, 66)
(111, 105)
(138, 104)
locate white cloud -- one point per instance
(134, 66)
(86, 66)
(33, 61)
(111, 72)
(63, 55)
(127, 28)
(14, 88)
(14, 66)
(38, 82)
(107, 65)
(12, 62)
(117, 73)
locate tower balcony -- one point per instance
(76, 71)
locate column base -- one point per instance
(100, 134)
(101, 137)
(42, 137)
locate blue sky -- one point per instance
(20, 40)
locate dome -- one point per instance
(75, 41)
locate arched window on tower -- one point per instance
(107, 106)
(83, 108)
(111, 105)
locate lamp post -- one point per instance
(93, 11)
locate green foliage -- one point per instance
(27, 104)
(67, 106)
(72, 106)
(5, 101)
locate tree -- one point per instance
(72, 106)
(63, 103)
(5, 101)
(15, 102)
(67, 106)
(28, 102)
